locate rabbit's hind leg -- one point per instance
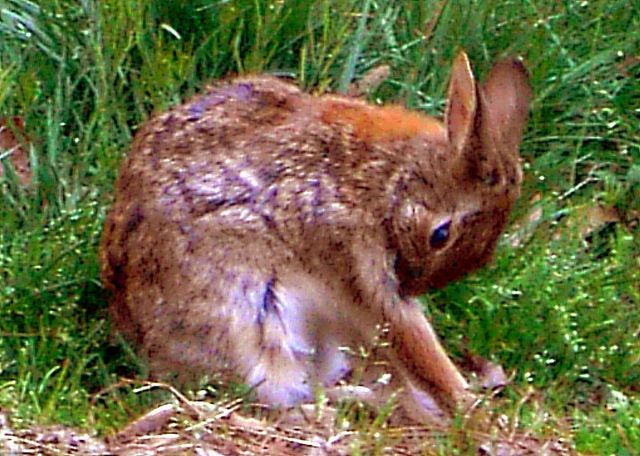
(279, 362)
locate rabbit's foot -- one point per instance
(352, 392)
(422, 407)
(419, 405)
(280, 374)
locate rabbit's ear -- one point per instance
(505, 104)
(461, 103)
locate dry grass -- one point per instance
(231, 427)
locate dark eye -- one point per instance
(440, 235)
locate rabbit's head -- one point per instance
(452, 209)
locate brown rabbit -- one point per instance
(257, 230)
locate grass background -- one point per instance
(560, 311)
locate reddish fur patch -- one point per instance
(379, 124)
(9, 142)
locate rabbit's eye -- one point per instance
(440, 235)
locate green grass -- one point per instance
(560, 312)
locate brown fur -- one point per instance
(257, 229)
(13, 147)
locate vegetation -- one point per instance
(559, 308)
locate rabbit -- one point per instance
(258, 230)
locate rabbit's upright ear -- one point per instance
(485, 124)
(505, 105)
(461, 104)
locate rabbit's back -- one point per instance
(241, 153)
(258, 152)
